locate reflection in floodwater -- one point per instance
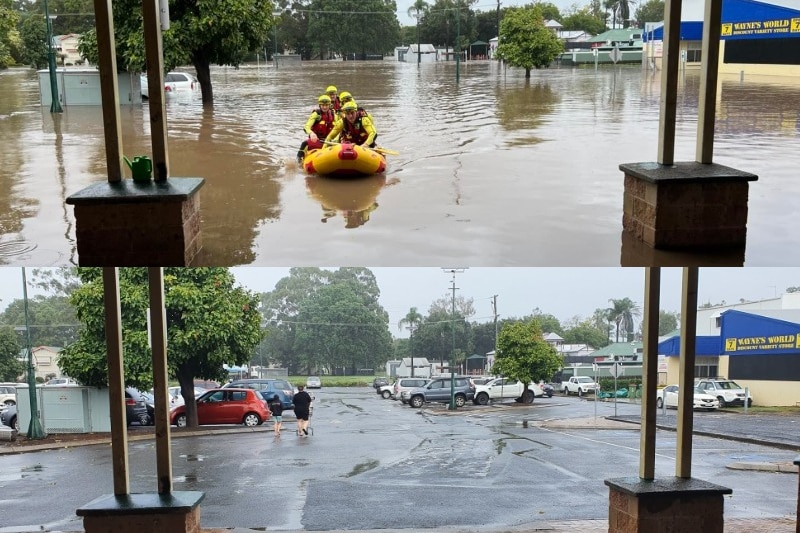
(355, 199)
(495, 170)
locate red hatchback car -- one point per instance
(225, 406)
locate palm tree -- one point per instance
(412, 320)
(419, 6)
(622, 313)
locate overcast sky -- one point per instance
(562, 292)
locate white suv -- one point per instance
(727, 391)
(579, 385)
(8, 394)
(406, 384)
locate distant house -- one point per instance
(45, 361)
(67, 49)
(422, 368)
(426, 53)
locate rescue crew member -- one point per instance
(356, 127)
(332, 92)
(319, 124)
(345, 97)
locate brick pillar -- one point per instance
(138, 224)
(686, 205)
(671, 505)
(176, 512)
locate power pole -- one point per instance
(494, 311)
(411, 341)
(452, 405)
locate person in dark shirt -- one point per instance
(302, 410)
(276, 408)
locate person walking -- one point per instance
(276, 408)
(302, 410)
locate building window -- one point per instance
(706, 367)
(693, 56)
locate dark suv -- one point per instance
(268, 387)
(438, 390)
(135, 407)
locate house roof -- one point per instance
(619, 34)
(418, 361)
(618, 348)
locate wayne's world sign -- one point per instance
(747, 334)
(745, 19)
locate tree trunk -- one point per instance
(186, 381)
(527, 73)
(203, 69)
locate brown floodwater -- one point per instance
(495, 170)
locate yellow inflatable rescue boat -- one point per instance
(344, 159)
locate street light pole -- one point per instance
(452, 405)
(276, 14)
(411, 341)
(55, 105)
(419, 57)
(458, 38)
(35, 429)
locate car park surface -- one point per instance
(485, 453)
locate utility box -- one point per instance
(81, 86)
(66, 409)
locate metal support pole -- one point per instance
(419, 55)
(276, 14)
(35, 429)
(458, 39)
(453, 353)
(55, 104)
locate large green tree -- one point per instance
(523, 354)
(210, 322)
(222, 32)
(9, 37)
(51, 317)
(623, 313)
(651, 11)
(33, 33)
(585, 332)
(411, 321)
(353, 26)
(338, 329)
(310, 305)
(11, 368)
(585, 20)
(525, 42)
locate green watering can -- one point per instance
(141, 167)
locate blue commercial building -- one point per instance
(757, 351)
(756, 37)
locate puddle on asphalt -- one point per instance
(190, 478)
(362, 467)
